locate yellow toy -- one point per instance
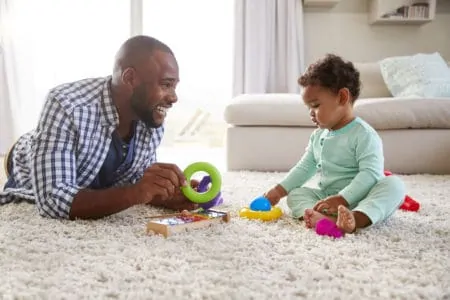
(270, 215)
(261, 209)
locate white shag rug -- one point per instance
(407, 257)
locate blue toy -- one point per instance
(261, 209)
(260, 204)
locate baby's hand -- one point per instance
(329, 205)
(275, 194)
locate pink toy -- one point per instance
(328, 227)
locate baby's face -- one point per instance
(324, 106)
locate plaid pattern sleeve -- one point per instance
(67, 149)
(53, 162)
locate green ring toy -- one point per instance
(216, 182)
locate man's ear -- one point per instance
(344, 96)
(129, 77)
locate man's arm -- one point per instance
(54, 173)
(369, 154)
(159, 186)
(91, 204)
(53, 166)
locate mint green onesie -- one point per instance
(349, 162)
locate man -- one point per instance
(93, 152)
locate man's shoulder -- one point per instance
(78, 93)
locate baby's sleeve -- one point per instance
(369, 155)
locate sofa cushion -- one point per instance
(381, 113)
(420, 75)
(267, 109)
(404, 113)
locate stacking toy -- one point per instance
(261, 209)
(203, 187)
(215, 180)
(260, 204)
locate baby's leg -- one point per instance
(302, 200)
(381, 202)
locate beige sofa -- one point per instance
(269, 132)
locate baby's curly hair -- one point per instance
(334, 73)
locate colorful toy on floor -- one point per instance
(260, 204)
(261, 209)
(203, 187)
(329, 228)
(175, 223)
(206, 195)
(408, 204)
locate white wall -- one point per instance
(345, 30)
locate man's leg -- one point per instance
(8, 166)
(381, 202)
(7, 163)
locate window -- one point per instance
(57, 41)
(200, 34)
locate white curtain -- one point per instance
(48, 42)
(10, 44)
(268, 46)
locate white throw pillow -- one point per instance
(420, 75)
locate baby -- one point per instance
(346, 153)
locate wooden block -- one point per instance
(180, 222)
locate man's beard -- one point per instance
(141, 108)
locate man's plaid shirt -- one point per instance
(67, 149)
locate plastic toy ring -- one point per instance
(216, 182)
(270, 215)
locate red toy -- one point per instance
(409, 203)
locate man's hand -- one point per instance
(160, 181)
(178, 201)
(275, 194)
(329, 205)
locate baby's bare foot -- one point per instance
(345, 220)
(307, 217)
(312, 217)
